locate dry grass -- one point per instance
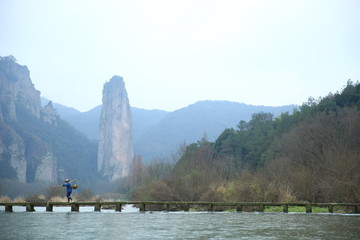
(58, 199)
(4, 199)
(19, 199)
(42, 197)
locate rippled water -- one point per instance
(131, 224)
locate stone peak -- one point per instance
(116, 81)
(114, 87)
(115, 150)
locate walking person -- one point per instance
(68, 189)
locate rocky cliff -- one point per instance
(17, 88)
(23, 156)
(115, 152)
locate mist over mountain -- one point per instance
(159, 134)
(86, 122)
(189, 124)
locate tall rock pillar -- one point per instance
(115, 151)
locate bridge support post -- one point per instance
(30, 207)
(8, 208)
(239, 207)
(285, 208)
(357, 209)
(331, 208)
(166, 207)
(308, 208)
(97, 207)
(75, 207)
(49, 207)
(210, 207)
(142, 207)
(186, 207)
(261, 207)
(118, 207)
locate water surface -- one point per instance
(131, 224)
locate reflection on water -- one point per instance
(131, 224)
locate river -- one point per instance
(132, 224)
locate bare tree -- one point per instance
(324, 150)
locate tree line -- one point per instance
(311, 155)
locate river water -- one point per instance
(132, 224)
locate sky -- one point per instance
(174, 53)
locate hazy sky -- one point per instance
(172, 53)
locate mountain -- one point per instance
(86, 122)
(158, 133)
(145, 119)
(115, 152)
(23, 155)
(35, 143)
(190, 124)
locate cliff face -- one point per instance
(115, 151)
(16, 88)
(23, 156)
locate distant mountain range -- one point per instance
(159, 134)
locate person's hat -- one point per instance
(67, 180)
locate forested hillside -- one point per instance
(75, 153)
(37, 147)
(312, 154)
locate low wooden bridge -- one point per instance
(180, 206)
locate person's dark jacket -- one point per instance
(68, 187)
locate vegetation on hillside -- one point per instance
(76, 154)
(33, 141)
(311, 154)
